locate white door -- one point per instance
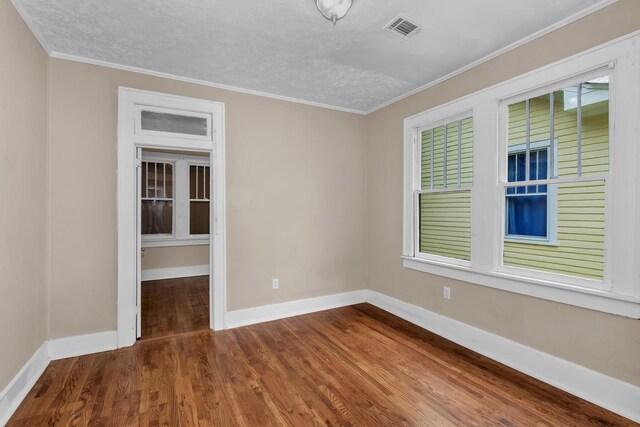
(138, 242)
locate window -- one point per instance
(173, 123)
(175, 190)
(444, 195)
(527, 208)
(199, 190)
(554, 209)
(574, 121)
(166, 122)
(157, 198)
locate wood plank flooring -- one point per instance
(352, 366)
(174, 306)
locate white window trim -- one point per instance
(621, 295)
(180, 236)
(552, 198)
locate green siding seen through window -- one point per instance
(432, 154)
(445, 224)
(579, 138)
(446, 176)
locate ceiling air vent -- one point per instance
(403, 27)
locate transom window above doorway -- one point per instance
(166, 122)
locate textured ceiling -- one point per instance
(285, 47)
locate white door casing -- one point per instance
(138, 242)
(131, 137)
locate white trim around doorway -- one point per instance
(130, 101)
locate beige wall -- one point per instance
(603, 342)
(300, 180)
(175, 256)
(295, 196)
(23, 100)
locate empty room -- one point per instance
(320, 212)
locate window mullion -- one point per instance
(537, 164)
(579, 130)
(146, 165)
(558, 181)
(527, 140)
(155, 177)
(459, 152)
(444, 177)
(432, 154)
(550, 155)
(182, 199)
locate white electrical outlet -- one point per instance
(447, 292)
(275, 284)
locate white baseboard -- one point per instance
(610, 393)
(266, 313)
(615, 395)
(79, 345)
(175, 272)
(13, 394)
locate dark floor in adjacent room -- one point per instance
(349, 366)
(174, 306)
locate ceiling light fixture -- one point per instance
(333, 10)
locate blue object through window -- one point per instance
(526, 206)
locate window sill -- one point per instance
(541, 242)
(158, 243)
(594, 299)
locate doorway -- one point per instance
(174, 232)
(154, 128)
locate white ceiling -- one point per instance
(286, 47)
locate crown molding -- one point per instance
(107, 64)
(568, 20)
(60, 55)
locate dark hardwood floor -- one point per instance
(350, 366)
(174, 306)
